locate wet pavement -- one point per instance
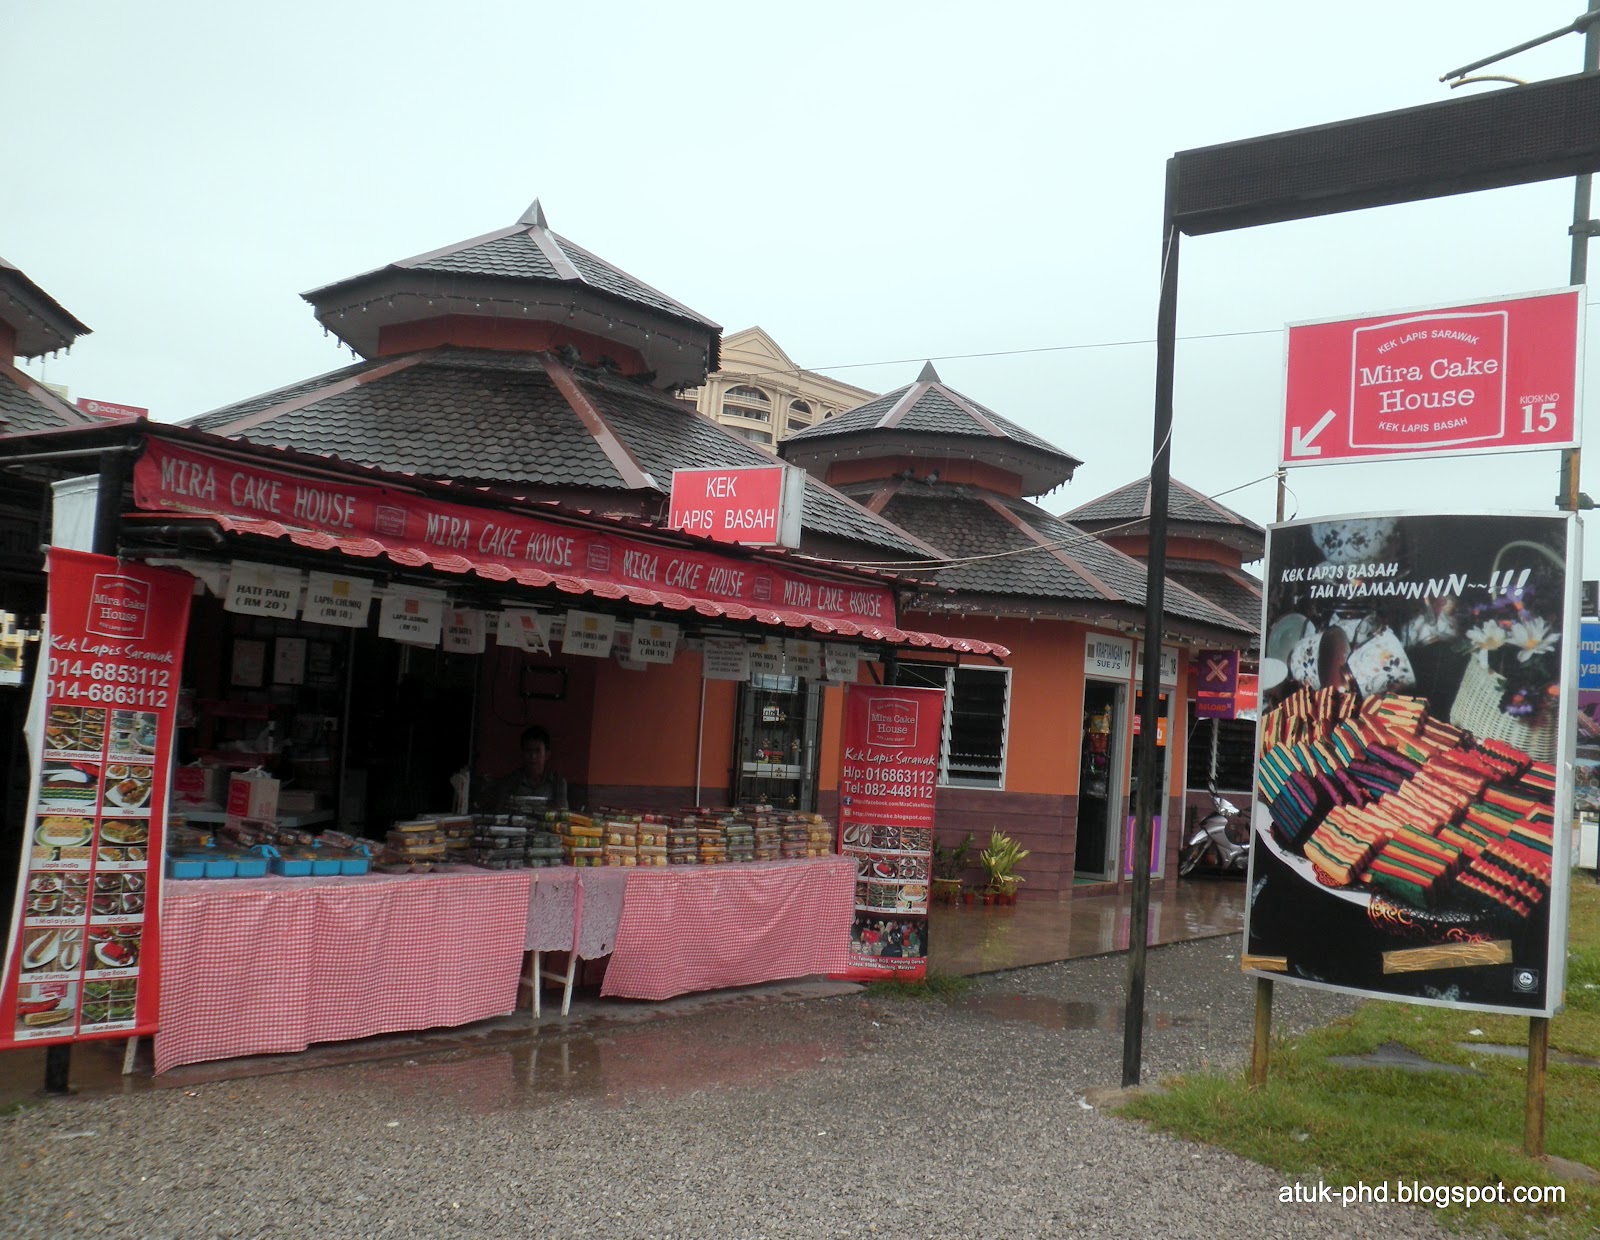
(965, 940)
(839, 1114)
(972, 939)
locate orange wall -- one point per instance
(470, 332)
(1046, 726)
(503, 712)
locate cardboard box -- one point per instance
(252, 794)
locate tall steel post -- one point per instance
(1151, 791)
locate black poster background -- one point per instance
(1423, 583)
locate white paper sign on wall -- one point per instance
(335, 599)
(588, 633)
(411, 616)
(766, 657)
(726, 658)
(655, 641)
(841, 663)
(804, 658)
(464, 630)
(263, 590)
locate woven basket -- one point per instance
(1477, 708)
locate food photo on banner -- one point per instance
(83, 953)
(887, 786)
(1412, 807)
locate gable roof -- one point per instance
(926, 413)
(26, 405)
(524, 273)
(1128, 508)
(1014, 549)
(518, 422)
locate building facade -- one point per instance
(762, 396)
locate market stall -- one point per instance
(366, 644)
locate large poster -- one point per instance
(1412, 807)
(886, 792)
(83, 955)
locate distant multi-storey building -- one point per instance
(760, 394)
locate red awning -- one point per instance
(412, 556)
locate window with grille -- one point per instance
(977, 700)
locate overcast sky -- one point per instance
(870, 182)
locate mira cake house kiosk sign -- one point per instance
(1412, 801)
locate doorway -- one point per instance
(1099, 778)
(1158, 823)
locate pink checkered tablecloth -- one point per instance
(701, 928)
(258, 966)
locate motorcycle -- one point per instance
(1216, 836)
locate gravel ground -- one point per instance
(847, 1116)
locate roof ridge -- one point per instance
(961, 402)
(910, 395)
(1054, 551)
(634, 475)
(378, 369)
(549, 245)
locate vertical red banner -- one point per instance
(83, 956)
(886, 793)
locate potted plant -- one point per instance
(1000, 861)
(948, 866)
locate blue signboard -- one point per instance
(1589, 656)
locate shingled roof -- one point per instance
(1188, 511)
(42, 323)
(26, 405)
(522, 423)
(1016, 550)
(921, 416)
(524, 273)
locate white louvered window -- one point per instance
(977, 711)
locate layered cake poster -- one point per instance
(1412, 808)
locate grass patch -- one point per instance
(1345, 1125)
(936, 985)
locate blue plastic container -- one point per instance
(252, 867)
(221, 867)
(291, 867)
(186, 867)
(324, 866)
(353, 865)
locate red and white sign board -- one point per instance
(105, 409)
(83, 953)
(887, 785)
(759, 507)
(1495, 376)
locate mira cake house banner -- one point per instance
(1412, 802)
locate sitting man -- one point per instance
(533, 778)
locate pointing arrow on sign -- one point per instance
(1300, 441)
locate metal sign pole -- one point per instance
(1150, 790)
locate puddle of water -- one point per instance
(1521, 1052)
(1064, 1013)
(611, 1070)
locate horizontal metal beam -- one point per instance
(1539, 132)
